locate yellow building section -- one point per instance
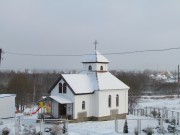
(47, 106)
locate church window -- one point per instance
(90, 68)
(60, 87)
(117, 100)
(64, 88)
(83, 105)
(101, 68)
(109, 101)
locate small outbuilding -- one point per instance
(7, 105)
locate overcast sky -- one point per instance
(71, 26)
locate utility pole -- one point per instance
(178, 82)
(0, 55)
(178, 74)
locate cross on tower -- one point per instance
(95, 43)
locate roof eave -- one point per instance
(95, 62)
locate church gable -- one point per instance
(78, 84)
(61, 85)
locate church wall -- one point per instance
(95, 66)
(69, 109)
(105, 67)
(68, 93)
(95, 104)
(105, 110)
(55, 111)
(78, 105)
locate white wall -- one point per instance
(7, 106)
(68, 93)
(95, 66)
(104, 109)
(88, 105)
(55, 109)
(69, 109)
(95, 104)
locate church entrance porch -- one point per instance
(62, 107)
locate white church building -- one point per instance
(93, 94)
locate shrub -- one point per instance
(29, 130)
(149, 131)
(125, 127)
(136, 131)
(56, 130)
(5, 131)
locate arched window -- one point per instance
(101, 68)
(64, 88)
(109, 101)
(83, 105)
(60, 87)
(117, 100)
(90, 68)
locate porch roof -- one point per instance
(61, 99)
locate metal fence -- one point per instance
(147, 126)
(156, 113)
(18, 126)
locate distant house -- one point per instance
(92, 94)
(7, 105)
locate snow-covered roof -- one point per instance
(61, 99)
(84, 83)
(107, 81)
(96, 57)
(6, 95)
(80, 83)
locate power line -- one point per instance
(42, 55)
(142, 51)
(74, 55)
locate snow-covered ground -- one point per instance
(104, 127)
(159, 102)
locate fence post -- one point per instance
(177, 118)
(116, 125)
(150, 112)
(172, 115)
(17, 126)
(67, 126)
(166, 114)
(139, 126)
(41, 126)
(161, 124)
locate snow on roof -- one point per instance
(88, 83)
(107, 81)
(61, 99)
(80, 83)
(96, 57)
(6, 95)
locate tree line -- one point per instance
(30, 87)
